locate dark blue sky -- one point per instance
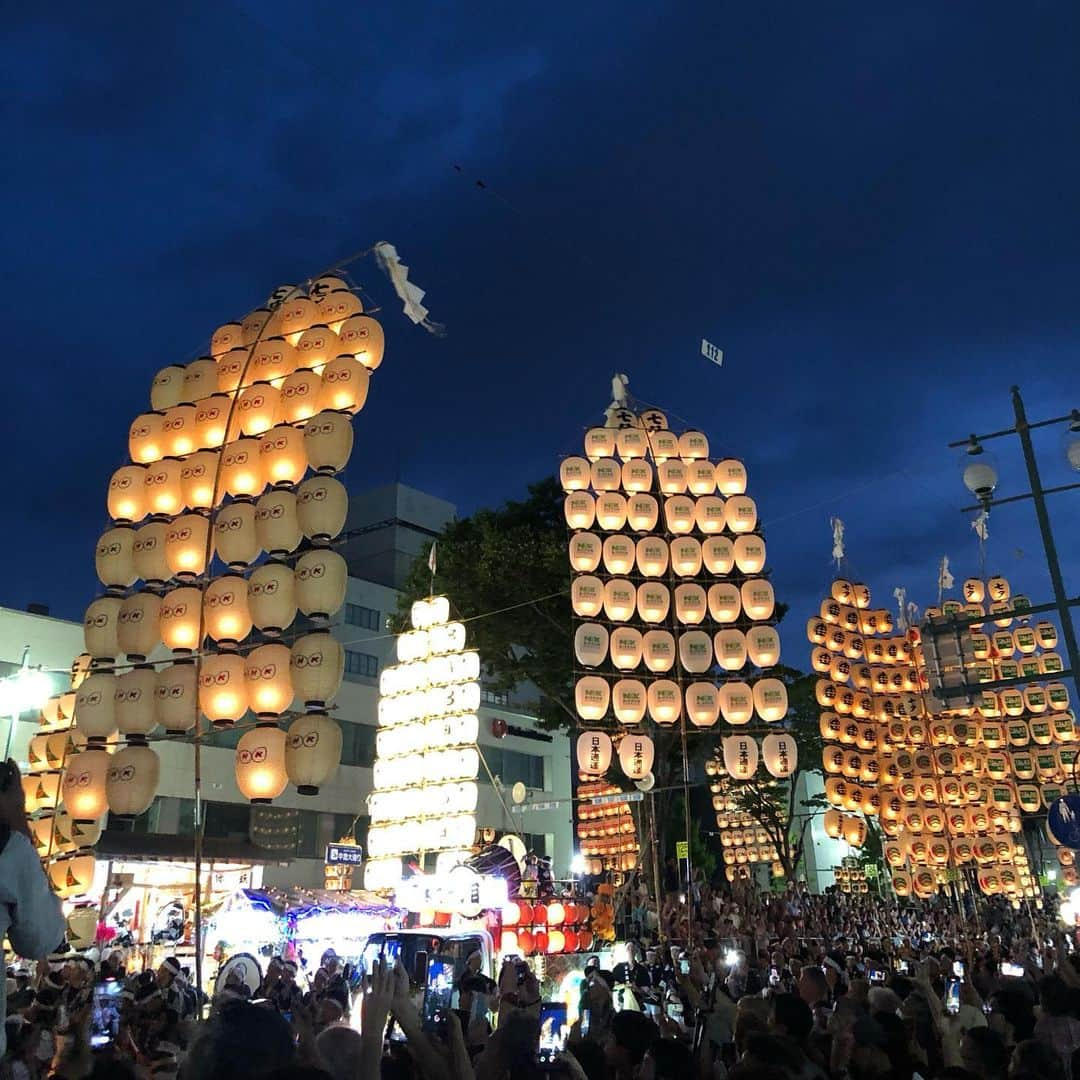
(873, 212)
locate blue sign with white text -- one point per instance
(344, 854)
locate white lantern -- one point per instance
(276, 528)
(672, 477)
(642, 512)
(620, 599)
(710, 514)
(599, 442)
(736, 703)
(226, 615)
(610, 511)
(695, 651)
(770, 699)
(580, 510)
(587, 596)
(653, 601)
(730, 477)
(132, 781)
(652, 556)
(268, 680)
(593, 752)
(702, 704)
(148, 552)
(637, 475)
(298, 400)
(95, 706)
(574, 474)
(679, 514)
(127, 493)
(137, 629)
(605, 474)
(585, 552)
(321, 578)
(146, 438)
(658, 649)
(763, 646)
(619, 551)
(758, 598)
(725, 602)
(272, 598)
(730, 646)
(686, 556)
(631, 442)
(636, 755)
(362, 337)
(629, 701)
(591, 644)
(665, 701)
(260, 764)
(176, 698)
(134, 697)
(345, 384)
(83, 786)
(114, 558)
(693, 445)
(592, 697)
(740, 756)
(626, 647)
(313, 751)
(781, 755)
(223, 695)
(740, 514)
(100, 625)
(187, 546)
(750, 553)
(162, 493)
(690, 604)
(701, 477)
(321, 507)
(198, 473)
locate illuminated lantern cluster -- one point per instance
(743, 841)
(851, 878)
(235, 457)
(605, 830)
(546, 929)
(949, 785)
(674, 611)
(425, 794)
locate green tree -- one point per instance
(781, 807)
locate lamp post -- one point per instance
(980, 478)
(25, 689)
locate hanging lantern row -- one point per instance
(654, 557)
(689, 604)
(680, 515)
(424, 795)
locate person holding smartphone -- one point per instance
(30, 913)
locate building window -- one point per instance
(511, 766)
(361, 665)
(365, 617)
(495, 697)
(537, 843)
(358, 744)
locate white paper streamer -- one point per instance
(981, 525)
(945, 579)
(837, 540)
(410, 294)
(901, 607)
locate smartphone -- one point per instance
(1012, 971)
(958, 968)
(684, 965)
(553, 1032)
(952, 997)
(105, 1014)
(774, 976)
(586, 1016)
(438, 993)
(903, 967)
(877, 976)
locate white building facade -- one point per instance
(386, 530)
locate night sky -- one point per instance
(872, 212)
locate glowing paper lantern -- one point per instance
(701, 477)
(256, 408)
(272, 598)
(282, 455)
(83, 785)
(178, 430)
(268, 682)
(587, 596)
(620, 599)
(260, 764)
(345, 383)
(211, 419)
(235, 535)
(592, 697)
(313, 751)
(187, 545)
(223, 695)
(770, 699)
(585, 551)
(749, 553)
(618, 554)
(626, 648)
(605, 474)
(272, 361)
(672, 477)
(702, 704)
(226, 616)
(146, 438)
(636, 755)
(736, 702)
(631, 442)
(758, 599)
(665, 701)
(781, 755)
(132, 781)
(328, 441)
(230, 369)
(686, 556)
(580, 510)
(197, 475)
(636, 475)
(718, 554)
(653, 601)
(695, 651)
(241, 469)
(320, 583)
(599, 442)
(298, 398)
(629, 701)
(690, 603)
(167, 388)
(658, 649)
(610, 511)
(95, 706)
(709, 514)
(679, 514)
(591, 644)
(642, 512)
(763, 646)
(740, 756)
(730, 646)
(316, 347)
(593, 752)
(652, 556)
(127, 494)
(362, 337)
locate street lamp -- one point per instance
(26, 689)
(980, 478)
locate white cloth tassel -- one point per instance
(409, 293)
(945, 578)
(981, 525)
(837, 540)
(901, 607)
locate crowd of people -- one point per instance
(721, 981)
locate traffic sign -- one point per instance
(1063, 820)
(682, 849)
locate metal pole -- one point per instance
(1037, 494)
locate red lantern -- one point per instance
(571, 941)
(540, 941)
(539, 916)
(525, 942)
(584, 940)
(525, 913)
